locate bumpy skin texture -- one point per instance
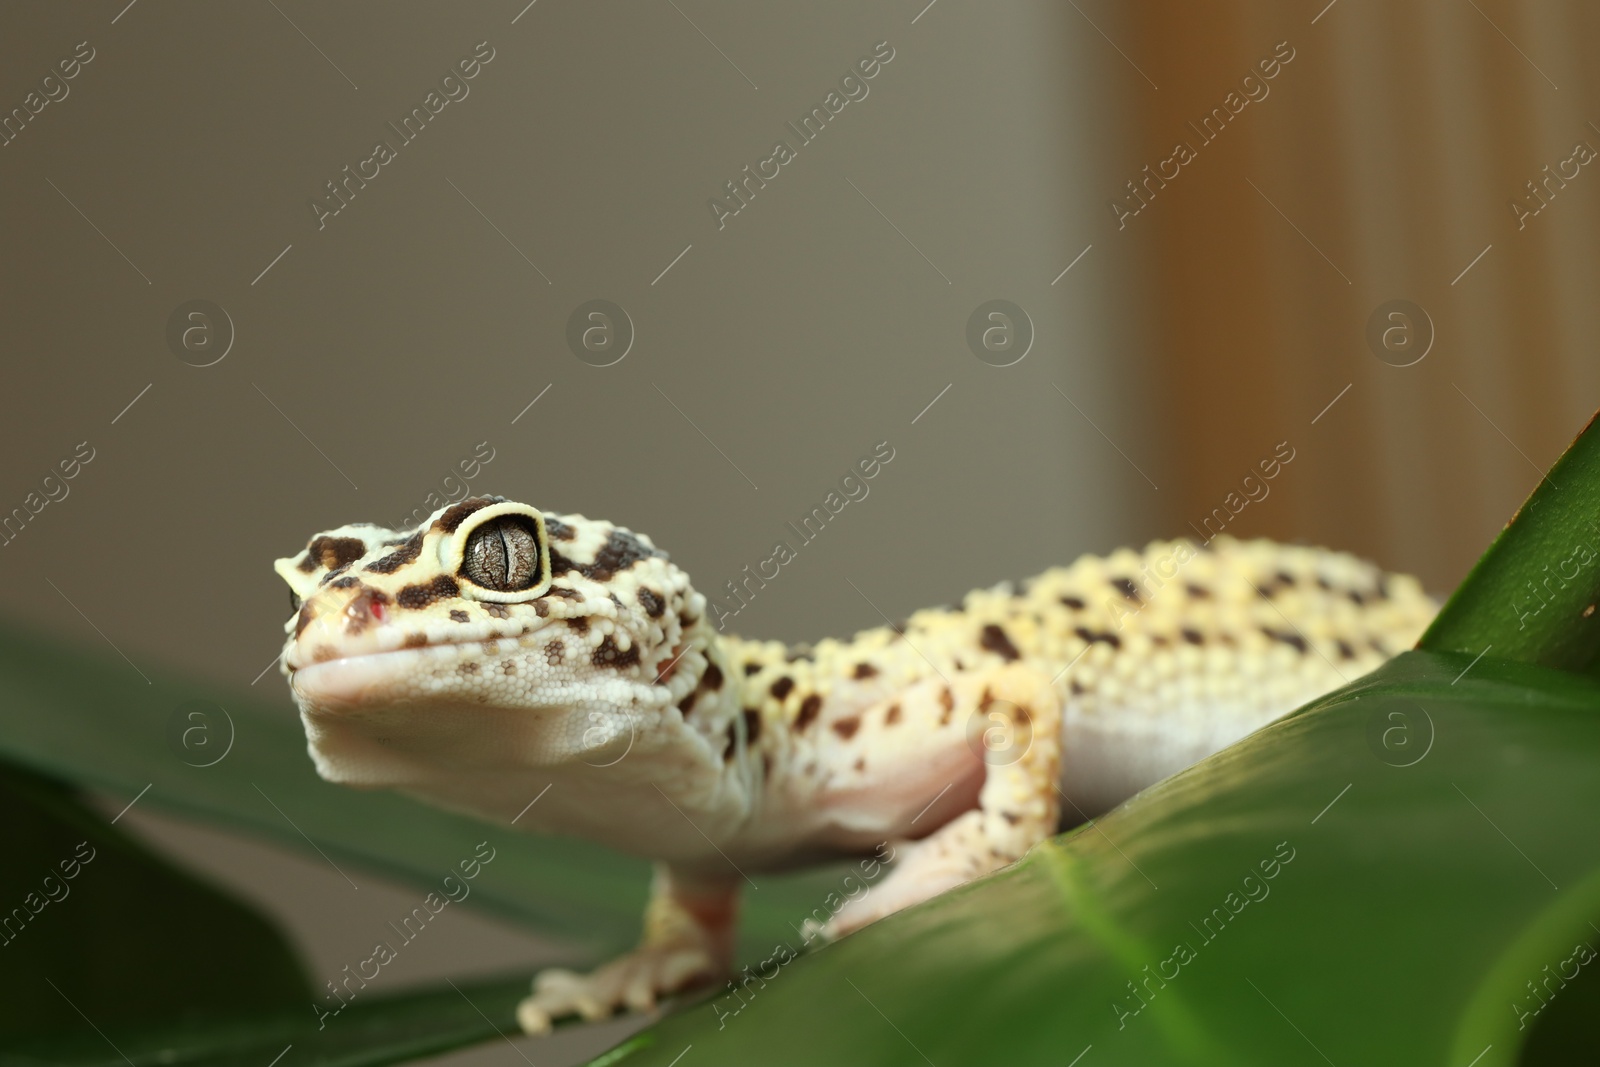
(963, 735)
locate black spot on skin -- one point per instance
(1265, 590)
(1075, 603)
(416, 640)
(810, 708)
(1199, 592)
(1077, 688)
(1345, 651)
(330, 552)
(751, 668)
(1111, 639)
(652, 602)
(621, 551)
(846, 728)
(614, 599)
(458, 615)
(442, 587)
(712, 678)
(541, 609)
(997, 641)
(408, 551)
(752, 725)
(558, 530)
(579, 625)
(733, 742)
(686, 705)
(609, 655)
(563, 592)
(335, 572)
(781, 687)
(348, 582)
(1126, 587)
(496, 611)
(864, 671)
(1194, 637)
(1285, 578)
(555, 652)
(1356, 597)
(1293, 640)
(456, 514)
(892, 716)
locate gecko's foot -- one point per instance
(952, 857)
(633, 981)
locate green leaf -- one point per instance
(87, 718)
(390, 1028)
(99, 931)
(1533, 595)
(1420, 895)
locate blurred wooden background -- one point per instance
(1390, 149)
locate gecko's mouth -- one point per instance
(364, 677)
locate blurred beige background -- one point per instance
(1173, 347)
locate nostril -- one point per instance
(370, 605)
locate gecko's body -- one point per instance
(495, 655)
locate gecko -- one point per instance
(497, 655)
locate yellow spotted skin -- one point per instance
(1175, 651)
(596, 698)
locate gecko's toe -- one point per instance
(634, 982)
(532, 1018)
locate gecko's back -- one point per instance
(1162, 656)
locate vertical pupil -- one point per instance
(502, 555)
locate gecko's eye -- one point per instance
(502, 554)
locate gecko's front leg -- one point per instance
(1010, 717)
(688, 940)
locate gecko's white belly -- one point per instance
(1109, 754)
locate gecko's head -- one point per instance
(489, 607)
